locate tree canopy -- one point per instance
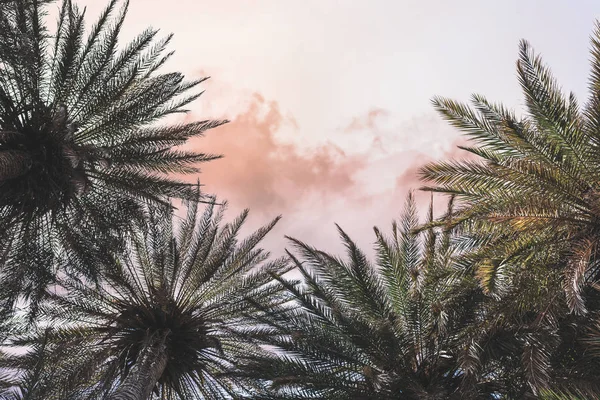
(108, 291)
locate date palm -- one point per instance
(46, 371)
(525, 341)
(173, 314)
(364, 331)
(80, 147)
(534, 190)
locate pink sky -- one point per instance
(329, 99)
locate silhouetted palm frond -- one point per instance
(80, 148)
(536, 178)
(175, 313)
(527, 211)
(36, 368)
(364, 331)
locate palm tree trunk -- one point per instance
(13, 163)
(145, 373)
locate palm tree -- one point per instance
(173, 314)
(46, 371)
(80, 148)
(523, 343)
(528, 213)
(535, 186)
(364, 331)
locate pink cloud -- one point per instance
(368, 121)
(317, 186)
(263, 173)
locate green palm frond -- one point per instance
(553, 395)
(535, 183)
(527, 218)
(81, 147)
(364, 330)
(46, 369)
(193, 300)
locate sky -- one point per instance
(329, 100)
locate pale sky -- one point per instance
(329, 100)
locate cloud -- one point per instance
(266, 174)
(313, 187)
(368, 121)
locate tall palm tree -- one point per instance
(528, 209)
(364, 331)
(535, 186)
(173, 314)
(80, 147)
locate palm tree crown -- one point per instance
(528, 215)
(370, 331)
(173, 314)
(532, 196)
(80, 151)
